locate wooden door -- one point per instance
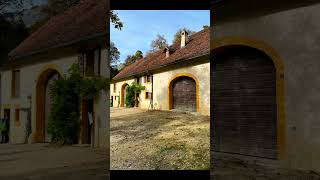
(184, 94)
(244, 103)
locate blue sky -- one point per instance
(140, 27)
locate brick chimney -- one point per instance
(184, 38)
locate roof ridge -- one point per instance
(53, 32)
(177, 43)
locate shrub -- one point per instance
(66, 94)
(63, 122)
(131, 94)
(129, 97)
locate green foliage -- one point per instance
(12, 33)
(114, 54)
(206, 26)
(131, 94)
(7, 6)
(129, 97)
(177, 35)
(64, 123)
(91, 86)
(137, 88)
(66, 93)
(115, 20)
(133, 58)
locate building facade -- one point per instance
(177, 77)
(46, 55)
(269, 54)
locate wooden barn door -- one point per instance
(184, 94)
(244, 103)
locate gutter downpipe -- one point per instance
(152, 91)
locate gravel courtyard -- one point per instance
(43, 161)
(240, 170)
(153, 140)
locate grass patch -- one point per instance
(166, 148)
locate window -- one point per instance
(15, 84)
(147, 78)
(114, 87)
(148, 95)
(17, 117)
(137, 80)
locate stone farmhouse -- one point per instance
(78, 35)
(176, 77)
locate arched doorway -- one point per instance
(244, 103)
(43, 103)
(184, 93)
(123, 94)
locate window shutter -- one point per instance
(145, 79)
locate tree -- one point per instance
(114, 54)
(12, 33)
(114, 60)
(130, 59)
(138, 55)
(159, 43)
(206, 26)
(133, 58)
(177, 35)
(115, 20)
(15, 6)
(55, 7)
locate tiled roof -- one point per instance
(85, 20)
(198, 45)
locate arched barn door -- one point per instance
(244, 103)
(43, 103)
(184, 94)
(123, 94)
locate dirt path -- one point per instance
(43, 161)
(158, 140)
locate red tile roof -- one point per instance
(198, 45)
(85, 20)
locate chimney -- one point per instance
(167, 51)
(184, 38)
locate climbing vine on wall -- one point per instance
(132, 92)
(66, 94)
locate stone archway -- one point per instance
(184, 76)
(123, 94)
(41, 96)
